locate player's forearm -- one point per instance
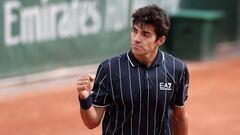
(91, 117)
(180, 125)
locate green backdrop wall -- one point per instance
(48, 34)
(41, 35)
(230, 24)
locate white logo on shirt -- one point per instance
(165, 86)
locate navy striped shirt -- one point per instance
(139, 99)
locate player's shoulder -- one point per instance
(175, 67)
(174, 62)
(113, 60)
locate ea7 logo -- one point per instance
(165, 86)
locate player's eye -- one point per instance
(146, 34)
(134, 30)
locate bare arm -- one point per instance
(93, 115)
(180, 121)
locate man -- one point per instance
(141, 92)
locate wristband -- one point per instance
(85, 103)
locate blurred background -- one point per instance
(45, 45)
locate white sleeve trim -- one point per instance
(182, 106)
(101, 105)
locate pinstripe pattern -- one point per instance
(111, 86)
(147, 102)
(120, 81)
(165, 96)
(116, 107)
(137, 98)
(100, 87)
(174, 68)
(100, 70)
(140, 101)
(156, 105)
(131, 96)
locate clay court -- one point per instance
(52, 108)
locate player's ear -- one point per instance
(161, 40)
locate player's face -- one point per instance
(143, 40)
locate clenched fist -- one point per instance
(85, 85)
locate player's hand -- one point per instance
(85, 85)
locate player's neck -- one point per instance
(147, 59)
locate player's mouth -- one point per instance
(136, 46)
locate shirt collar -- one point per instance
(134, 62)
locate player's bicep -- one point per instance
(179, 111)
(100, 111)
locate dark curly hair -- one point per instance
(155, 16)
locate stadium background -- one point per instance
(46, 45)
